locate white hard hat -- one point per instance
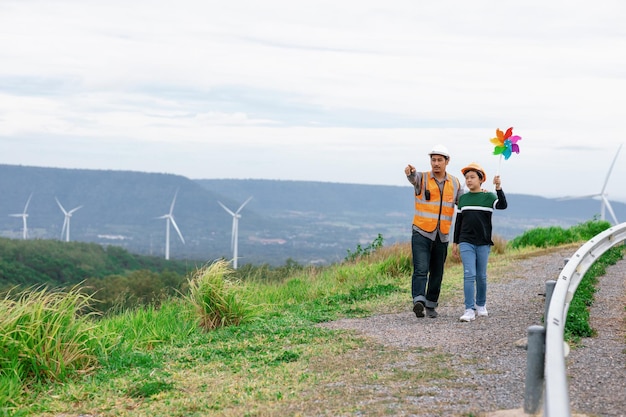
(439, 150)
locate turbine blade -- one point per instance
(28, 202)
(608, 175)
(173, 202)
(245, 202)
(608, 206)
(74, 209)
(226, 208)
(180, 235)
(59, 203)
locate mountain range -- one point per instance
(305, 221)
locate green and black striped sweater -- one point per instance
(473, 219)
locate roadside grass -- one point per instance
(577, 322)
(162, 362)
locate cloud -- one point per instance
(333, 91)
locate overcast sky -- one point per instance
(341, 91)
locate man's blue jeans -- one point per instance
(428, 260)
(475, 258)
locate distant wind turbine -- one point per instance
(169, 219)
(603, 196)
(235, 232)
(24, 216)
(66, 222)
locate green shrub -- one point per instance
(132, 289)
(361, 251)
(543, 237)
(267, 274)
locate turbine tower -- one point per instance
(66, 223)
(602, 195)
(169, 219)
(24, 216)
(235, 232)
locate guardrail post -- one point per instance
(535, 357)
(550, 284)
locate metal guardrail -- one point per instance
(557, 403)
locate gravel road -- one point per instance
(487, 352)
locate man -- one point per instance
(436, 194)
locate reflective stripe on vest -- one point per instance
(436, 210)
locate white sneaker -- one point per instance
(469, 315)
(481, 311)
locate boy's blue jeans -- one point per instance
(475, 258)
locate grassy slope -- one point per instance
(164, 366)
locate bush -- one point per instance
(133, 289)
(543, 237)
(361, 251)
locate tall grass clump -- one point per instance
(218, 300)
(45, 337)
(499, 245)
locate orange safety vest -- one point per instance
(437, 210)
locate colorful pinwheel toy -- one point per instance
(506, 143)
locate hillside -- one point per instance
(309, 222)
(61, 264)
(390, 207)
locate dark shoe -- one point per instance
(418, 309)
(431, 312)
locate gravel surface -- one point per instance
(489, 352)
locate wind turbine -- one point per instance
(235, 231)
(66, 222)
(603, 196)
(24, 216)
(169, 218)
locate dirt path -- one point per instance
(486, 353)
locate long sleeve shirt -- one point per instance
(473, 219)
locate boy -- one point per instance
(472, 237)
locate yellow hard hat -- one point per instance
(475, 167)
